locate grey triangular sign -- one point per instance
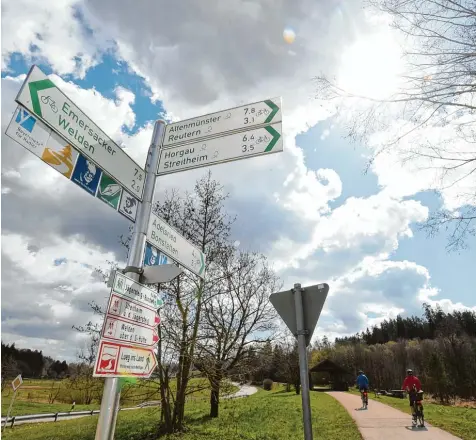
(313, 299)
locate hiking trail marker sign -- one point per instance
(129, 333)
(40, 96)
(124, 360)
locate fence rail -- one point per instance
(58, 415)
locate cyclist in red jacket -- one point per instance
(408, 384)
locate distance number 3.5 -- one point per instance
(246, 148)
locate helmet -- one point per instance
(361, 372)
(409, 372)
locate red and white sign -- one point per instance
(132, 311)
(122, 360)
(124, 331)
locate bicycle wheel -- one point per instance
(421, 417)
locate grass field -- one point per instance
(32, 397)
(274, 415)
(457, 420)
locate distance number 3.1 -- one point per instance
(250, 113)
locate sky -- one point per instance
(310, 209)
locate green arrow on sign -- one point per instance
(203, 264)
(35, 87)
(275, 135)
(274, 109)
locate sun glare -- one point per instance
(371, 66)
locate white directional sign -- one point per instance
(118, 329)
(234, 119)
(167, 240)
(132, 289)
(35, 136)
(132, 311)
(124, 360)
(255, 142)
(42, 97)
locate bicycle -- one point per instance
(365, 398)
(48, 100)
(418, 418)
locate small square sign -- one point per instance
(153, 257)
(109, 191)
(128, 206)
(86, 174)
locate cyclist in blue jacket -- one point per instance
(362, 381)
(363, 386)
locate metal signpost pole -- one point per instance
(111, 394)
(9, 410)
(303, 367)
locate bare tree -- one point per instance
(236, 313)
(436, 90)
(288, 362)
(202, 219)
(9, 369)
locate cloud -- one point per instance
(49, 30)
(375, 290)
(53, 296)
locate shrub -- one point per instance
(267, 384)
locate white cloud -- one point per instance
(48, 30)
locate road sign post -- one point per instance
(300, 310)
(111, 394)
(15, 385)
(303, 368)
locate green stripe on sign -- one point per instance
(275, 135)
(35, 87)
(274, 109)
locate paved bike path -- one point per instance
(381, 421)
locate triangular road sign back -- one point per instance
(313, 299)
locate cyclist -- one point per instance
(411, 381)
(362, 382)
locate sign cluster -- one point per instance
(233, 134)
(129, 332)
(52, 127)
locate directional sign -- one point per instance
(118, 360)
(255, 142)
(35, 136)
(132, 289)
(233, 119)
(132, 311)
(170, 242)
(118, 329)
(313, 298)
(42, 97)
